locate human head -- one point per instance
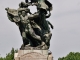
(23, 13)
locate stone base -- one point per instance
(27, 47)
(33, 55)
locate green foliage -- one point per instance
(71, 56)
(10, 55)
(1, 58)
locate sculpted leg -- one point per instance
(47, 38)
(25, 39)
(32, 33)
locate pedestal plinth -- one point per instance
(33, 55)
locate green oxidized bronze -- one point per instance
(34, 28)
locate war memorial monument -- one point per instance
(34, 29)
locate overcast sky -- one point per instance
(66, 33)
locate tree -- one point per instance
(71, 56)
(1, 58)
(10, 55)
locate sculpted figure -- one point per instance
(34, 28)
(28, 28)
(22, 20)
(43, 8)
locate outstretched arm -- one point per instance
(32, 16)
(21, 9)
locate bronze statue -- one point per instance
(34, 28)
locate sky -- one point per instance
(65, 18)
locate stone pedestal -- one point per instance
(33, 55)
